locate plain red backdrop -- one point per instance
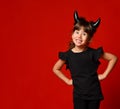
(32, 32)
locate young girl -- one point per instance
(83, 62)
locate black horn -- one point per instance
(96, 24)
(76, 17)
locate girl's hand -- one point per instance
(101, 77)
(70, 82)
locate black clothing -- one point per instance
(86, 104)
(83, 67)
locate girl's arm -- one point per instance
(57, 70)
(112, 59)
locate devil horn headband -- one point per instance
(96, 24)
(76, 17)
(93, 24)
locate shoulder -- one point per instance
(99, 49)
(63, 55)
(64, 52)
(97, 52)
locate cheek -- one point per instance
(84, 37)
(73, 36)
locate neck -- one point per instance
(79, 49)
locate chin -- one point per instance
(79, 44)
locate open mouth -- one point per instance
(78, 41)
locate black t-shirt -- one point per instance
(83, 68)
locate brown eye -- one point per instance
(85, 34)
(77, 32)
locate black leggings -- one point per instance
(86, 104)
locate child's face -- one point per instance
(80, 37)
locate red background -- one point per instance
(32, 32)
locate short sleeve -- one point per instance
(64, 56)
(98, 53)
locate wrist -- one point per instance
(69, 81)
(104, 75)
(101, 76)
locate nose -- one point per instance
(80, 34)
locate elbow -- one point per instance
(54, 70)
(116, 58)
